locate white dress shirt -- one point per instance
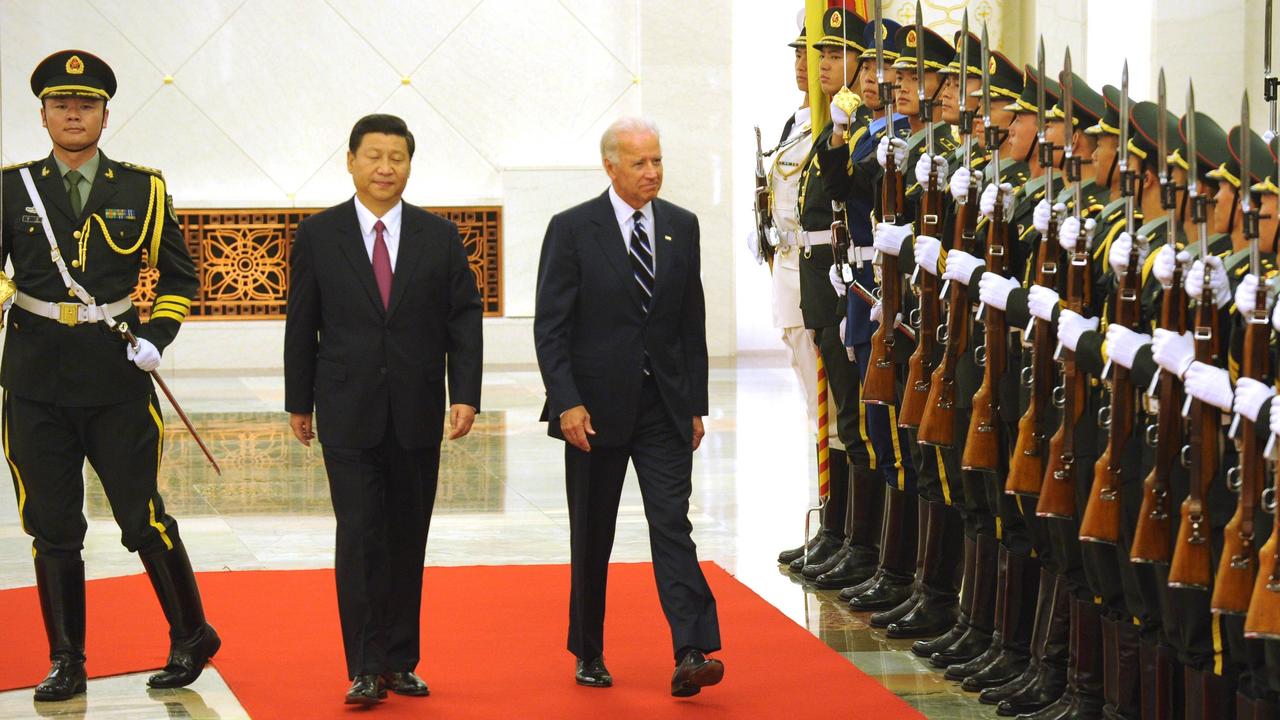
(390, 235)
(626, 224)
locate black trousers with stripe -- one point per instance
(46, 446)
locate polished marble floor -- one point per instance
(501, 501)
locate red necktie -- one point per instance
(382, 264)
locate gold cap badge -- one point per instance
(75, 66)
(836, 20)
(911, 38)
(991, 67)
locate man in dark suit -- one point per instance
(381, 303)
(620, 329)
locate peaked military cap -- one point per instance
(1211, 144)
(800, 40)
(974, 44)
(937, 51)
(1110, 121)
(73, 73)
(1089, 105)
(1261, 164)
(1268, 184)
(1026, 101)
(1145, 120)
(889, 34)
(842, 28)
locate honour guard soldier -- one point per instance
(79, 227)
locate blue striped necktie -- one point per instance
(642, 259)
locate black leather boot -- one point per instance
(1021, 577)
(936, 611)
(1208, 696)
(959, 671)
(898, 541)
(982, 609)
(1265, 709)
(926, 648)
(832, 538)
(786, 557)
(862, 528)
(1049, 688)
(192, 641)
(1086, 690)
(1039, 632)
(60, 584)
(1122, 684)
(884, 618)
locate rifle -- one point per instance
(1026, 468)
(1238, 567)
(1190, 567)
(1101, 520)
(761, 200)
(921, 366)
(1153, 533)
(1263, 620)
(879, 383)
(1057, 492)
(982, 443)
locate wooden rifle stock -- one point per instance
(1101, 519)
(1237, 570)
(1263, 620)
(920, 369)
(938, 427)
(763, 216)
(1154, 531)
(1191, 564)
(1027, 467)
(982, 442)
(879, 384)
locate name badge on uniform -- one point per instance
(31, 219)
(120, 214)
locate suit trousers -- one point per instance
(47, 445)
(382, 498)
(664, 464)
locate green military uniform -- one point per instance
(72, 394)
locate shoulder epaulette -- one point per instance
(141, 168)
(19, 166)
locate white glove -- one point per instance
(994, 290)
(1164, 263)
(844, 323)
(1209, 384)
(1173, 351)
(922, 168)
(838, 115)
(146, 357)
(960, 266)
(889, 237)
(1120, 249)
(1247, 295)
(1275, 318)
(926, 250)
(899, 151)
(837, 282)
(1069, 232)
(1071, 326)
(877, 312)
(1251, 395)
(962, 180)
(1268, 136)
(1123, 344)
(753, 245)
(1275, 422)
(1044, 213)
(987, 205)
(1217, 281)
(1041, 301)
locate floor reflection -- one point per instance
(501, 501)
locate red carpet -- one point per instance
(493, 647)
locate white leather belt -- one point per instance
(823, 237)
(71, 313)
(865, 253)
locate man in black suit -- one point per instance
(620, 329)
(381, 302)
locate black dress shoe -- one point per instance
(694, 672)
(366, 690)
(593, 673)
(405, 683)
(65, 680)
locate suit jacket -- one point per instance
(591, 331)
(357, 363)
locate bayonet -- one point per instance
(926, 107)
(992, 133)
(1270, 84)
(1126, 177)
(1246, 191)
(1046, 148)
(962, 94)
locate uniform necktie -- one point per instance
(77, 203)
(382, 263)
(642, 259)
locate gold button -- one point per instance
(75, 263)
(76, 234)
(71, 293)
